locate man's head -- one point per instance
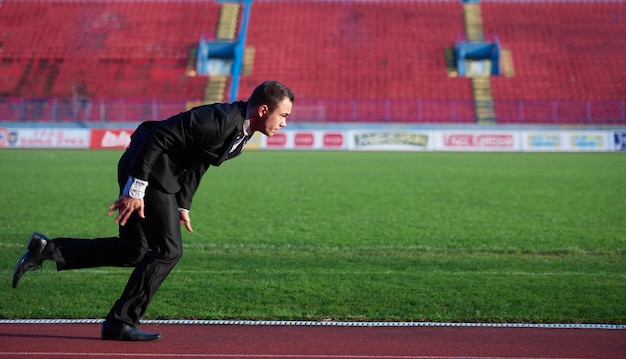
(269, 106)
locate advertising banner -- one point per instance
(305, 140)
(542, 141)
(577, 141)
(120, 138)
(478, 141)
(587, 141)
(619, 140)
(488, 140)
(44, 138)
(4, 137)
(110, 138)
(386, 140)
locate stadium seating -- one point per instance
(391, 49)
(574, 50)
(359, 50)
(102, 48)
(566, 51)
(366, 60)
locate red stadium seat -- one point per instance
(368, 60)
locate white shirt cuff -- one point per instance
(135, 188)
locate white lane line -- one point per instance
(311, 356)
(323, 323)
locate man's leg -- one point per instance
(70, 253)
(162, 230)
(124, 251)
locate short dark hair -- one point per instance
(270, 93)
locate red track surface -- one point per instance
(238, 341)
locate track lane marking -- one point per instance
(311, 356)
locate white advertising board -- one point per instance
(44, 138)
(305, 140)
(619, 140)
(356, 140)
(494, 141)
(562, 141)
(390, 140)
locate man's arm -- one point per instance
(183, 133)
(165, 136)
(189, 183)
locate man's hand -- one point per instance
(126, 206)
(184, 219)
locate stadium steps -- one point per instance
(473, 23)
(248, 60)
(215, 89)
(227, 24)
(226, 30)
(506, 63)
(481, 85)
(483, 99)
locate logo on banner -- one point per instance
(51, 138)
(277, 140)
(484, 140)
(619, 141)
(390, 138)
(110, 139)
(587, 141)
(305, 139)
(333, 140)
(551, 141)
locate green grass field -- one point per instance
(366, 236)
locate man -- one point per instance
(158, 175)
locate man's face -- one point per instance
(274, 121)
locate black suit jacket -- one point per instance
(174, 154)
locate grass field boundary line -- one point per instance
(347, 273)
(414, 248)
(323, 323)
(558, 252)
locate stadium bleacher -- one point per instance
(574, 48)
(369, 50)
(566, 51)
(102, 48)
(355, 57)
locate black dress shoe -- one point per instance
(32, 258)
(126, 332)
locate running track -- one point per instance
(62, 340)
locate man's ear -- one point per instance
(263, 111)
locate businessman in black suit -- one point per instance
(158, 175)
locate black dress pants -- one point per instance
(153, 245)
